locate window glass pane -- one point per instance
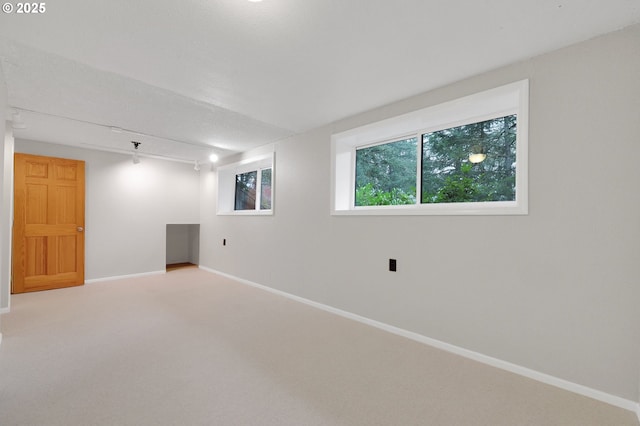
(471, 163)
(386, 174)
(265, 189)
(246, 191)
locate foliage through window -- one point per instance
(265, 189)
(471, 163)
(246, 191)
(246, 194)
(386, 174)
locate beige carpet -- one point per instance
(192, 348)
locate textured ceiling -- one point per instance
(192, 77)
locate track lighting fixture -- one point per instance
(135, 159)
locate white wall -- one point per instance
(555, 291)
(128, 207)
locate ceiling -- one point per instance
(188, 78)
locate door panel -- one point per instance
(48, 243)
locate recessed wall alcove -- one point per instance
(183, 245)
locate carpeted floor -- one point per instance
(192, 348)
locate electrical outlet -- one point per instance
(392, 265)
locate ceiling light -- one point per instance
(213, 158)
(196, 166)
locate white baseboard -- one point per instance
(476, 356)
(122, 277)
(5, 310)
(638, 411)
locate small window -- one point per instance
(467, 156)
(246, 187)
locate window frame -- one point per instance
(227, 185)
(505, 100)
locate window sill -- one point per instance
(453, 209)
(246, 213)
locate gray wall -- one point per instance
(555, 291)
(128, 207)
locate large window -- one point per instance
(246, 187)
(467, 156)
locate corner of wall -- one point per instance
(6, 213)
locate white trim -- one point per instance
(638, 411)
(122, 277)
(0, 338)
(246, 213)
(476, 356)
(5, 310)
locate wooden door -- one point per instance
(48, 223)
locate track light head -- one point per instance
(135, 158)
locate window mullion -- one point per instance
(418, 137)
(352, 184)
(258, 189)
